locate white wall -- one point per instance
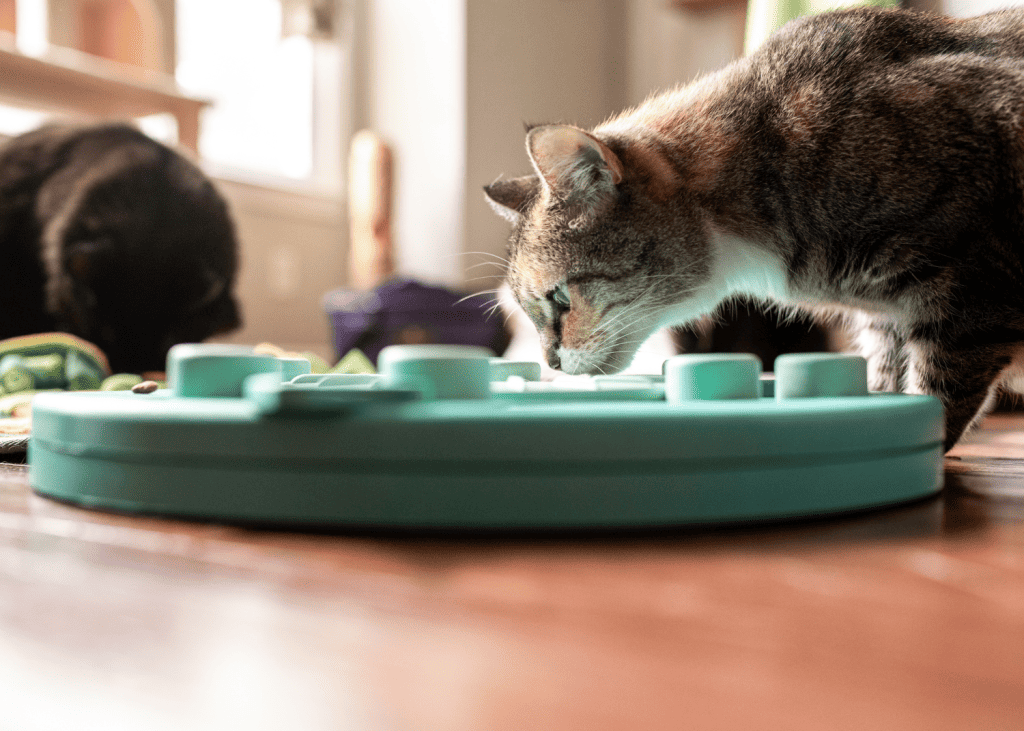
(292, 251)
(530, 61)
(669, 46)
(415, 71)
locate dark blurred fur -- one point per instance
(867, 164)
(111, 236)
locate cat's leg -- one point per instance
(882, 343)
(965, 379)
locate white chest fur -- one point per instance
(738, 268)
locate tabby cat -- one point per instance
(867, 164)
(116, 238)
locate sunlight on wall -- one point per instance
(231, 51)
(14, 120)
(32, 36)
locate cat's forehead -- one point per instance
(536, 275)
(540, 258)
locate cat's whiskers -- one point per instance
(491, 310)
(501, 262)
(482, 253)
(501, 266)
(625, 340)
(477, 294)
(623, 335)
(627, 309)
(625, 317)
(489, 277)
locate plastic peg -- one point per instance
(215, 371)
(712, 377)
(820, 375)
(438, 371)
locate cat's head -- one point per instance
(596, 258)
(140, 249)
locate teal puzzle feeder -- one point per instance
(446, 437)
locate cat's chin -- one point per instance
(576, 362)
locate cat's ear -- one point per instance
(577, 167)
(509, 198)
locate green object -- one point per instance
(120, 382)
(15, 375)
(80, 373)
(47, 370)
(353, 362)
(425, 445)
(56, 360)
(316, 363)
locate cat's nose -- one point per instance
(553, 360)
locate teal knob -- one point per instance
(712, 377)
(438, 371)
(502, 369)
(215, 371)
(820, 375)
(294, 367)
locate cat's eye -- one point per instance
(561, 297)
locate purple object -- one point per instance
(403, 311)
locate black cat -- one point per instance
(115, 238)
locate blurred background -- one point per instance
(269, 96)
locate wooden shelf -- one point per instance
(70, 81)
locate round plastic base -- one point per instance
(430, 443)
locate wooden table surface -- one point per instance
(909, 618)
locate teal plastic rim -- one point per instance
(408, 449)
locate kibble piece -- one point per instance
(145, 387)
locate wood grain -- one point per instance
(910, 618)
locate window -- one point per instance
(231, 51)
(271, 71)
